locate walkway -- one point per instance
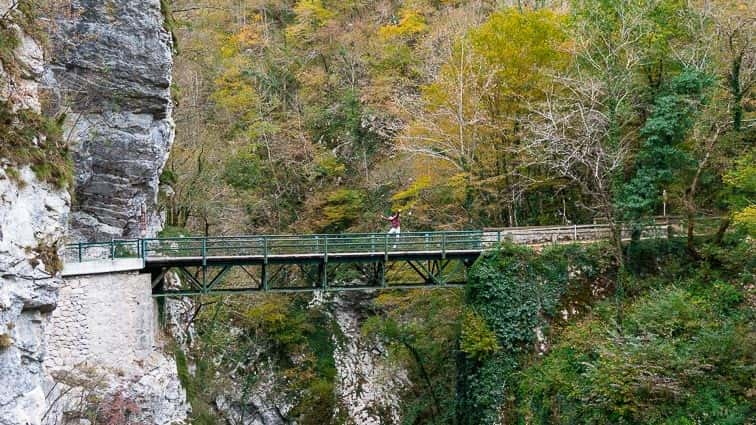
(307, 262)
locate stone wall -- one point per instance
(107, 319)
(104, 338)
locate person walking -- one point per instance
(395, 225)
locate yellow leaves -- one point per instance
(328, 165)
(522, 47)
(248, 36)
(410, 24)
(235, 94)
(477, 341)
(310, 15)
(407, 198)
(343, 207)
(459, 184)
(747, 218)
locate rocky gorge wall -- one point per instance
(33, 216)
(110, 72)
(106, 68)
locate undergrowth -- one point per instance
(29, 138)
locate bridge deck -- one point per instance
(151, 262)
(438, 258)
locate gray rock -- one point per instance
(110, 70)
(29, 216)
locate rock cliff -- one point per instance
(110, 72)
(33, 214)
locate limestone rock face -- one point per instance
(30, 216)
(110, 70)
(368, 386)
(33, 219)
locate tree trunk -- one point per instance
(721, 231)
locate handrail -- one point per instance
(326, 245)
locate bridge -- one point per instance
(294, 263)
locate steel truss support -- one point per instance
(307, 276)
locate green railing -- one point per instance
(277, 245)
(362, 243)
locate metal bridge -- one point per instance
(290, 263)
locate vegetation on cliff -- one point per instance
(318, 115)
(27, 137)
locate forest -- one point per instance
(319, 116)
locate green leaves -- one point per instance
(676, 362)
(663, 158)
(343, 207)
(477, 341)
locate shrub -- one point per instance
(32, 139)
(5, 341)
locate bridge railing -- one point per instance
(360, 243)
(97, 251)
(318, 244)
(273, 245)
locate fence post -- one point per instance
(265, 250)
(574, 232)
(204, 252)
(80, 252)
(325, 249)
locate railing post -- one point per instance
(325, 249)
(204, 252)
(574, 232)
(112, 249)
(498, 237)
(80, 252)
(143, 243)
(265, 250)
(385, 247)
(443, 245)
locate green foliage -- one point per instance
(35, 140)
(741, 182)
(663, 158)
(685, 357)
(8, 43)
(515, 291)
(420, 328)
(533, 36)
(245, 171)
(193, 385)
(476, 340)
(343, 208)
(340, 126)
(169, 22)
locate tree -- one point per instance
(469, 118)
